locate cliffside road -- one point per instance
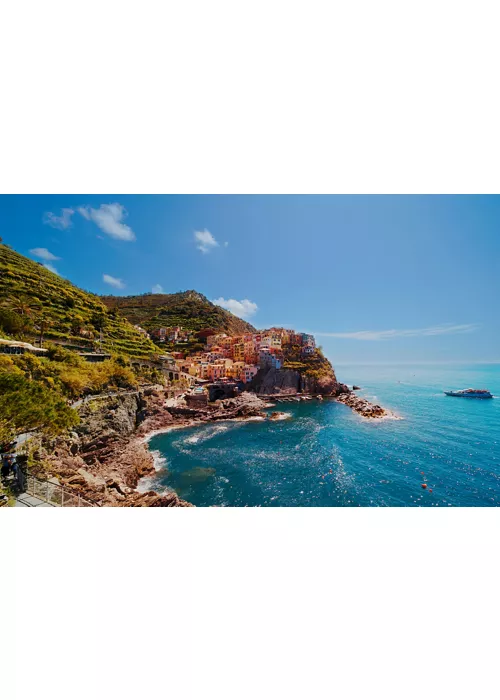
(108, 395)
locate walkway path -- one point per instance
(25, 500)
(110, 395)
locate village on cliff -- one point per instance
(232, 358)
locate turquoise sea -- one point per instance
(326, 455)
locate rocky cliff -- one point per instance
(288, 381)
(103, 460)
(105, 457)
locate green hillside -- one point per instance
(190, 309)
(35, 301)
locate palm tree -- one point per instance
(44, 323)
(19, 305)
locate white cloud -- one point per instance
(109, 218)
(243, 308)
(51, 268)
(43, 254)
(113, 281)
(445, 329)
(226, 243)
(205, 241)
(61, 222)
(157, 289)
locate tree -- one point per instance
(44, 323)
(77, 325)
(27, 405)
(20, 305)
(13, 323)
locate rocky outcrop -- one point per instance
(272, 382)
(245, 405)
(363, 407)
(278, 415)
(106, 456)
(102, 459)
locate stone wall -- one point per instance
(198, 400)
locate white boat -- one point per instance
(471, 393)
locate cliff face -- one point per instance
(102, 459)
(288, 381)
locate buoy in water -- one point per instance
(430, 490)
(424, 486)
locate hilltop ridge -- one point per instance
(190, 310)
(35, 300)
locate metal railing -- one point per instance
(55, 494)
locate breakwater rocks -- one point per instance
(363, 407)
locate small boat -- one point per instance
(471, 394)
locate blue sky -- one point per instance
(376, 278)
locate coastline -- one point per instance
(144, 440)
(364, 408)
(107, 459)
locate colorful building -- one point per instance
(239, 352)
(216, 371)
(248, 373)
(269, 359)
(308, 340)
(159, 334)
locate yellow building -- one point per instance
(239, 352)
(235, 370)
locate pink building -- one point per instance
(248, 373)
(216, 372)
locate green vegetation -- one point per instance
(315, 365)
(28, 405)
(190, 310)
(68, 374)
(38, 305)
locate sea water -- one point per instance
(326, 455)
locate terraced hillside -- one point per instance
(190, 309)
(35, 301)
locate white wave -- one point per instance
(205, 434)
(160, 461)
(192, 440)
(148, 483)
(161, 431)
(251, 419)
(381, 419)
